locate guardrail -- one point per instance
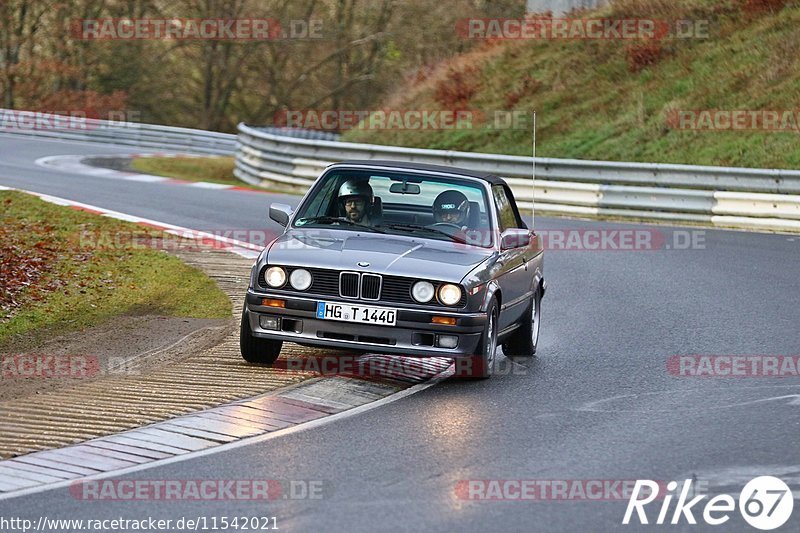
(758, 199)
(300, 133)
(44, 125)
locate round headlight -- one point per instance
(275, 276)
(300, 279)
(422, 291)
(449, 294)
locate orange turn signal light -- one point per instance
(269, 302)
(444, 320)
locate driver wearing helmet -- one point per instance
(451, 207)
(356, 197)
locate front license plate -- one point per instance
(361, 314)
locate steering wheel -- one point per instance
(445, 225)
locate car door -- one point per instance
(514, 278)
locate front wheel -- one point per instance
(525, 340)
(255, 349)
(483, 362)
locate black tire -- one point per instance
(524, 341)
(483, 362)
(254, 349)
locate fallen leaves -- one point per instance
(22, 264)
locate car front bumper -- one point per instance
(413, 334)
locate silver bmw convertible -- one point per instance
(399, 258)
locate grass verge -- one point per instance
(64, 270)
(616, 99)
(208, 169)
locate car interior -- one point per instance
(386, 209)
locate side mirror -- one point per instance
(515, 238)
(280, 213)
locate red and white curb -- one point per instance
(214, 430)
(75, 164)
(242, 248)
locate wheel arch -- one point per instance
(492, 291)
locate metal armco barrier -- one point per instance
(30, 124)
(752, 199)
(33, 124)
(743, 198)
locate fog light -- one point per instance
(447, 341)
(444, 320)
(269, 322)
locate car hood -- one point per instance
(395, 255)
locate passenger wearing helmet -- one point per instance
(451, 207)
(356, 198)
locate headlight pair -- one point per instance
(300, 278)
(423, 292)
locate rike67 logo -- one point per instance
(765, 503)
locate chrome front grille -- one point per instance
(370, 287)
(348, 284)
(360, 286)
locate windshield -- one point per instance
(432, 207)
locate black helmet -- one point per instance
(355, 188)
(451, 202)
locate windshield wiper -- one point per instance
(332, 220)
(417, 227)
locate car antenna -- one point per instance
(533, 175)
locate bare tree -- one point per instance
(20, 20)
(366, 49)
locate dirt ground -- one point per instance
(125, 345)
